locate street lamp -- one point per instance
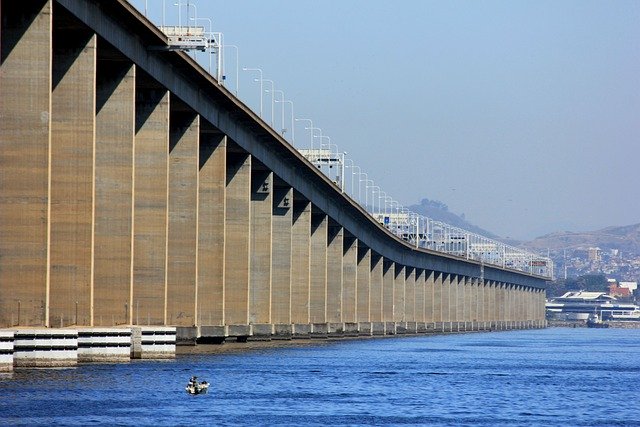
(261, 86)
(310, 127)
(281, 109)
(293, 127)
(270, 92)
(237, 65)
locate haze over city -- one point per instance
(523, 116)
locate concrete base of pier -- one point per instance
(6, 351)
(104, 345)
(319, 330)
(153, 342)
(301, 330)
(45, 348)
(282, 331)
(261, 332)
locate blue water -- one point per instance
(559, 377)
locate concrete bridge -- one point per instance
(135, 190)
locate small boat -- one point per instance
(594, 322)
(195, 387)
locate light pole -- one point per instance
(366, 192)
(293, 127)
(237, 65)
(281, 109)
(261, 88)
(270, 92)
(310, 127)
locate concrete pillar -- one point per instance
(237, 235)
(420, 295)
(399, 296)
(151, 172)
(410, 294)
(447, 305)
(71, 187)
(429, 297)
(335, 257)
(25, 99)
(388, 275)
(300, 260)
(349, 278)
(260, 246)
(461, 308)
(281, 256)
(211, 227)
(376, 294)
(182, 245)
(318, 283)
(470, 299)
(113, 197)
(363, 288)
(437, 297)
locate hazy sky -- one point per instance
(523, 115)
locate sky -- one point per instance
(524, 116)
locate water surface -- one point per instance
(570, 377)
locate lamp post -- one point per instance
(237, 65)
(310, 127)
(293, 127)
(261, 88)
(281, 109)
(270, 92)
(366, 192)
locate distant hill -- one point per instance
(625, 238)
(437, 210)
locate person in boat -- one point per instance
(193, 382)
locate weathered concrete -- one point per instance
(281, 256)
(335, 270)
(300, 262)
(260, 246)
(318, 269)
(349, 278)
(237, 232)
(71, 187)
(25, 102)
(113, 202)
(183, 218)
(211, 228)
(151, 214)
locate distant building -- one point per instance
(579, 305)
(618, 291)
(632, 286)
(595, 254)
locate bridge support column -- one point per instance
(469, 303)
(300, 266)
(335, 268)
(376, 295)
(150, 203)
(260, 252)
(410, 300)
(420, 301)
(281, 262)
(211, 233)
(388, 301)
(71, 185)
(438, 301)
(25, 99)
(237, 241)
(182, 263)
(349, 283)
(363, 289)
(113, 203)
(318, 283)
(399, 297)
(429, 300)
